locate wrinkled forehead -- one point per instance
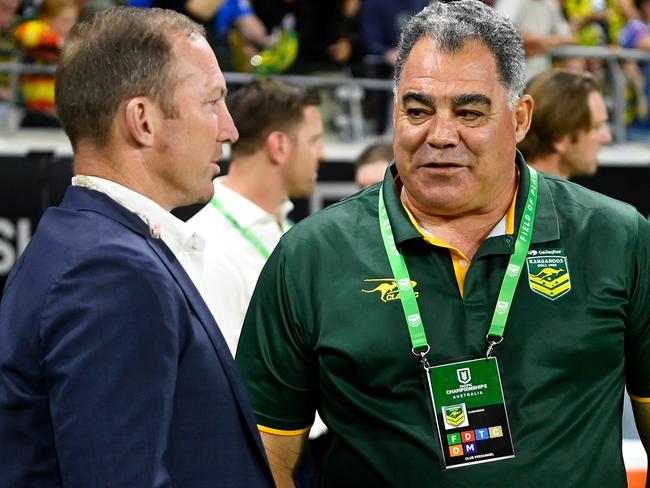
(429, 68)
(192, 60)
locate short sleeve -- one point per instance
(637, 340)
(273, 355)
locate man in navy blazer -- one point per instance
(113, 372)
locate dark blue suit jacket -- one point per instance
(113, 372)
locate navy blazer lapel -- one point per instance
(80, 198)
(91, 200)
(210, 325)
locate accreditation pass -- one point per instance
(470, 412)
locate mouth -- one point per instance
(443, 166)
(214, 164)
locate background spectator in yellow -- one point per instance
(41, 40)
(8, 18)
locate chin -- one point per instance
(206, 197)
(302, 192)
(587, 171)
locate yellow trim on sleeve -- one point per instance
(639, 399)
(269, 430)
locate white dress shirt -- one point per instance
(232, 263)
(181, 238)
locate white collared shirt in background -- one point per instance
(232, 263)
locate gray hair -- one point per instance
(451, 25)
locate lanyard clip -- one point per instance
(491, 343)
(422, 354)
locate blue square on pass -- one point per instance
(482, 434)
(469, 448)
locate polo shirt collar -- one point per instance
(245, 212)
(546, 227)
(546, 224)
(403, 229)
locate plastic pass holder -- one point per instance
(470, 412)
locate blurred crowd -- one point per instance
(349, 37)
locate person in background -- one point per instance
(461, 324)
(113, 372)
(381, 23)
(276, 158)
(348, 46)
(41, 40)
(222, 19)
(542, 26)
(8, 22)
(273, 12)
(636, 35)
(598, 22)
(329, 36)
(233, 18)
(371, 164)
(569, 125)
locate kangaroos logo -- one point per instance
(455, 416)
(548, 274)
(387, 288)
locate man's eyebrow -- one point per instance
(471, 99)
(417, 97)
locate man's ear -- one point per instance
(277, 146)
(560, 145)
(523, 115)
(140, 116)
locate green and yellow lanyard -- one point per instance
(420, 346)
(245, 232)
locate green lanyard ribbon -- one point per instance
(245, 232)
(508, 286)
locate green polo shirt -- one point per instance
(325, 330)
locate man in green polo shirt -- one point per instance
(468, 322)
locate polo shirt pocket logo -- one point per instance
(387, 288)
(548, 273)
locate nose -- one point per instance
(442, 131)
(606, 136)
(227, 131)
